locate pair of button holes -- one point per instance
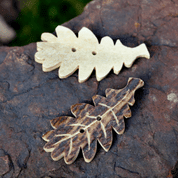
(98, 119)
(74, 50)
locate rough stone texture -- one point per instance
(29, 98)
(4, 163)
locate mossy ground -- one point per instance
(38, 16)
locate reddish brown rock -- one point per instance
(4, 163)
(29, 98)
(133, 21)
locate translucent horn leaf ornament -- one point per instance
(91, 124)
(84, 53)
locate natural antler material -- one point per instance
(91, 123)
(84, 53)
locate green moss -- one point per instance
(38, 16)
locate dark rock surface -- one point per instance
(29, 98)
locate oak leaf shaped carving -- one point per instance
(84, 53)
(91, 124)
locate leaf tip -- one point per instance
(56, 157)
(138, 82)
(45, 136)
(48, 37)
(87, 35)
(145, 52)
(38, 57)
(65, 34)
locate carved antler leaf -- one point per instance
(84, 53)
(91, 123)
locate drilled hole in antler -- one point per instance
(98, 118)
(74, 50)
(94, 53)
(82, 130)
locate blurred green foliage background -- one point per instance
(38, 16)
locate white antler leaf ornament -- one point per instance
(84, 53)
